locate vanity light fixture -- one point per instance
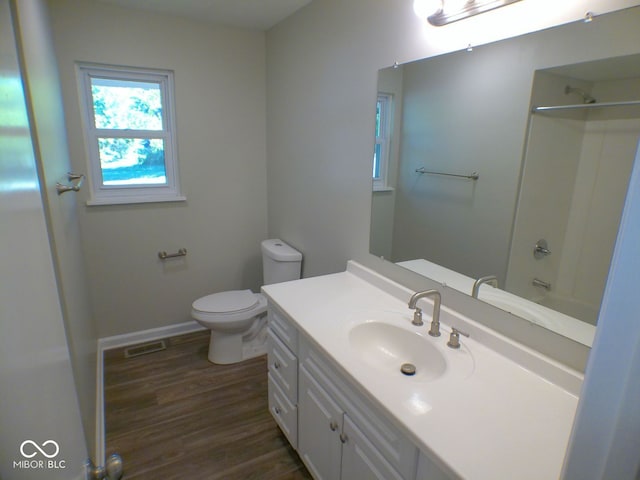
(442, 12)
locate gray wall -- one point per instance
(463, 113)
(220, 110)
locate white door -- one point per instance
(44, 102)
(41, 433)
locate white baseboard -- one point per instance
(116, 341)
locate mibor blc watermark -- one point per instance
(42, 456)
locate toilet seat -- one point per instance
(229, 306)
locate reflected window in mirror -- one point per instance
(383, 140)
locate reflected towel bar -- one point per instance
(473, 176)
(164, 255)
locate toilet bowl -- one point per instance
(237, 318)
(230, 316)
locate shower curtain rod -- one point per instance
(586, 105)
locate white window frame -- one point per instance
(383, 139)
(136, 193)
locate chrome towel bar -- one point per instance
(473, 176)
(180, 253)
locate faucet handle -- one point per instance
(454, 337)
(417, 317)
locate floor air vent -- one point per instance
(144, 348)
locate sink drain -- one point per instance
(408, 369)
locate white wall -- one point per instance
(550, 168)
(608, 152)
(574, 183)
(220, 110)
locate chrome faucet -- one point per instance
(490, 280)
(434, 331)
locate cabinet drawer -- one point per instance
(283, 411)
(283, 366)
(283, 328)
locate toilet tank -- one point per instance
(280, 262)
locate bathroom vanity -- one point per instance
(341, 392)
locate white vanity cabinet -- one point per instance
(497, 411)
(337, 432)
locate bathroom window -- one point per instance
(381, 151)
(130, 134)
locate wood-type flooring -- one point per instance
(174, 415)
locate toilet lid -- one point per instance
(226, 302)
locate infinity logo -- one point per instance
(39, 449)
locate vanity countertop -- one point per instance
(507, 417)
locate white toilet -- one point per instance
(237, 318)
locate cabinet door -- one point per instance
(319, 427)
(360, 459)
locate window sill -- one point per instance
(134, 200)
(382, 188)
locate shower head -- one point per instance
(586, 98)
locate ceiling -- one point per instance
(615, 68)
(253, 14)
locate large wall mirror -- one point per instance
(511, 161)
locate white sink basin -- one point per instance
(387, 348)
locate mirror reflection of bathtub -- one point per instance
(539, 311)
